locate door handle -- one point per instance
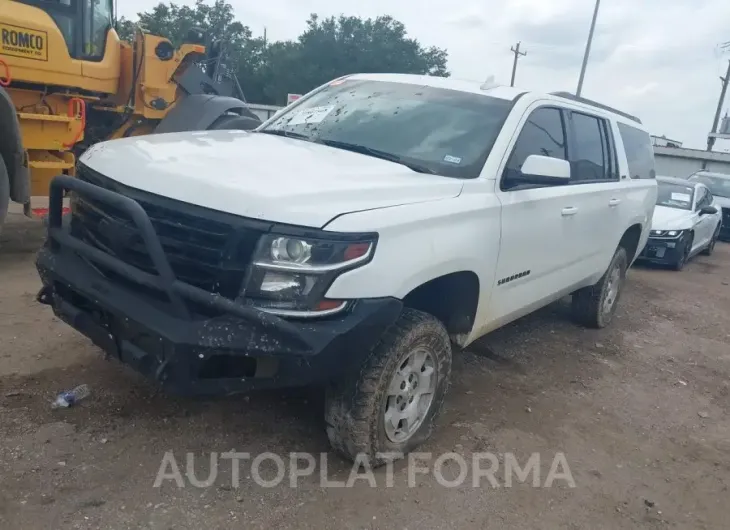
(614, 202)
(570, 210)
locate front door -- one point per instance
(704, 224)
(536, 258)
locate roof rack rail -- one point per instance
(573, 97)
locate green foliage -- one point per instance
(327, 49)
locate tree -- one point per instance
(327, 49)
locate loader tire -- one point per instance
(4, 192)
(234, 122)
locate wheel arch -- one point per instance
(630, 241)
(11, 150)
(199, 111)
(452, 298)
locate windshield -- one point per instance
(719, 186)
(432, 130)
(675, 195)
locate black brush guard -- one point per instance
(241, 349)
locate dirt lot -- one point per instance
(640, 411)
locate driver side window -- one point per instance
(543, 134)
(97, 21)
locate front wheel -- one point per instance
(684, 253)
(390, 406)
(594, 306)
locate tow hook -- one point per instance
(45, 295)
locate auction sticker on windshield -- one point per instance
(310, 115)
(682, 197)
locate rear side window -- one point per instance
(592, 156)
(543, 134)
(639, 152)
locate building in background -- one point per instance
(682, 162)
(663, 141)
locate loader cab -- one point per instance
(83, 23)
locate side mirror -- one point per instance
(708, 210)
(546, 170)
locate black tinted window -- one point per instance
(448, 132)
(543, 134)
(590, 159)
(639, 152)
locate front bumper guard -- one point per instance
(170, 344)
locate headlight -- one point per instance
(290, 274)
(665, 233)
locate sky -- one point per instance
(658, 59)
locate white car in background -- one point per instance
(719, 184)
(686, 221)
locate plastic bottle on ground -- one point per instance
(71, 397)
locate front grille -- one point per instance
(726, 215)
(207, 249)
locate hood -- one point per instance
(666, 218)
(263, 176)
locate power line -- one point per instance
(518, 53)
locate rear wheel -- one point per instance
(391, 404)
(595, 306)
(4, 192)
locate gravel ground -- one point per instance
(640, 411)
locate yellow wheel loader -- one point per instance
(67, 81)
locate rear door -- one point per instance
(596, 188)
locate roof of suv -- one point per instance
(493, 90)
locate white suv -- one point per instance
(350, 241)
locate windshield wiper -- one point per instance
(287, 134)
(377, 153)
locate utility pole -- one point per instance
(518, 53)
(588, 49)
(725, 80)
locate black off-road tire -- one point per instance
(686, 243)
(588, 302)
(4, 193)
(355, 406)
